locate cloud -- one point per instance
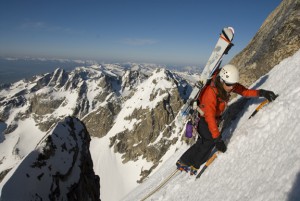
(33, 25)
(42, 26)
(138, 42)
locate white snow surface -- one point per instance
(22, 182)
(118, 179)
(262, 161)
(263, 157)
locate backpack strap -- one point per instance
(213, 87)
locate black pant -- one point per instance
(199, 152)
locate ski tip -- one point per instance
(231, 29)
(228, 33)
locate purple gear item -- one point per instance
(189, 129)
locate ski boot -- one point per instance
(193, 170)
(182, 167)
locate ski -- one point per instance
(214, 62)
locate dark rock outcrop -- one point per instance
(60, 168)
(277, 39)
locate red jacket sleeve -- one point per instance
(240, 89)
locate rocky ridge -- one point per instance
(277, 39)
(60, 168)
(97, 95)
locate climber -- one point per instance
(213, 101)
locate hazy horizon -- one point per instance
(161, 32)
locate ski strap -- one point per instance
(225, 38)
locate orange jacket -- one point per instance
(213, 106)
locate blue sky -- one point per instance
(154, 31)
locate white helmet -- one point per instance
(230, 74)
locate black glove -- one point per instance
(220, 145)
(267, 94)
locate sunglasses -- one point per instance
(228, 84)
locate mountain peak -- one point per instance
(60, 168)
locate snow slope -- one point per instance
(53, 170)
(263, 157)
(262, 161)
(81, 88)
(117, 179)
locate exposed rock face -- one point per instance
(132, 78)
(153, 123)
(277, 39)
(8, 105)
(98, 95)
(100, 121)
(153, 134)
(60, 168)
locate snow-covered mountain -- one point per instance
(59, 168)
(14, 69)
(262, 161)
(263, 157)
(129, 112)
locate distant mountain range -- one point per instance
(15, 69)
(131, 109)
